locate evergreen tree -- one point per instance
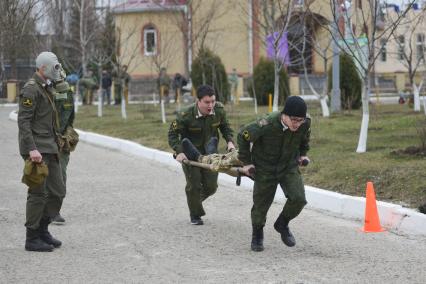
(208, 69)
(263, 77)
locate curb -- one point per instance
(392, 216)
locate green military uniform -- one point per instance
(274, 153)
(164, 81)
(37, 131)
(64, 103)
(200, 183)
(119, 79)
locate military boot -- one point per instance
(45, 235)
(196, 220)
(34, 243)
(211, 146)
(257, 239)
(58, 219)
(190, 151)
(281, 226)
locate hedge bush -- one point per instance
(263, 77)
(350, 83)
(207, 68)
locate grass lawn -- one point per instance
(335, 165)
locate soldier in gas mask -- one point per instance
(68, 137)
(38, 128)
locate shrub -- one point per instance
(208, 69)
(263, 77)
(350, 83)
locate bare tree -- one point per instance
(194, 19)
(321, 47)
(63, 22)
(127, 55)
(276, 21)
(360, 43)
(17, 32)
(88, 28)
(167, 52)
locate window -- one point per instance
(150, 41)
(383, 50)
(420, 46)
(401, 47)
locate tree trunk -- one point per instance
(276, 86)
(82, 38)
(100, 97)
(76, 96)
(416, 94)
(323, 100)
(123, 101)
(362, 142)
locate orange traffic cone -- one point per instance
(372, 221)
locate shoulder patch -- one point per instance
(27, 102)
(262, 122)
(174, 125)
(246, 135)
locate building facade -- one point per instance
(168, 34)
(401, 56)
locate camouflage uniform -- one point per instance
(64, 103)
(119, 79)
(274, 153)
(200, 183)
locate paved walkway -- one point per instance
(127, 222)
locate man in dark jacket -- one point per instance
(178, 83)
(106, 87)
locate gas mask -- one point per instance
(52, 67)
(61, 86)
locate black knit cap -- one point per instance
(295, 106)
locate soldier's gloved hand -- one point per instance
(180, 157)
(230, 146)
(35, 156)
(248, 170)
(304, 161)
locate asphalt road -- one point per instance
(127, 221)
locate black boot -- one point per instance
(190, 151)
(281, 226)
(58, 219)
(196, 220)
(257, 239)
(211, 146)
(34, 243)
(45, 236)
